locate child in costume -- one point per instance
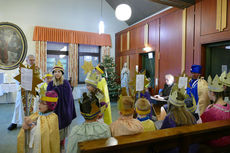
(219, 110)
(43, 126)
(91, 129)
(178, 115)
(225, 79)
(42, 90)
(91, 81)
(65, 108)
(102, 85)
(143, 109)
(47, 79)
(126, 124)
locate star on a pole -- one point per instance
(133, 82)
(87, 67)
(36, 78)
(182, 75)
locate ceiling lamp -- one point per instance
(101, 23)
(123, 12)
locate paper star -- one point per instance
(133, 82)
(87, 67)
(182, 75)
(36, 78)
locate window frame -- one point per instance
(87, 54)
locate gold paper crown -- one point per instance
(48, 74)
(143, 106)
(126, 105)
(215, 85)
(92, 78)
(58, 66)
(225, 78)
(177, 96)
(89, 106)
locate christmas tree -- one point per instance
(111, 77)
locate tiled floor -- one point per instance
(8, 143)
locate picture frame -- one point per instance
(13, 46)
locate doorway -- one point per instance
(148, 64)
(217, 58)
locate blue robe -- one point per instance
(193, 90)
(65, 108)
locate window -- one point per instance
(55, 52)
(87, 53)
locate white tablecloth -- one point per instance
(6, 88)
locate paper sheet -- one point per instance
(140, 82)
(26, 78)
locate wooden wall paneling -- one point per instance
(117, 52)
(189, 39)
(228, 16)
(170, 45)
(134, 60)
(140, 37)
(197, 51)
(124, 42)
(208, 16)
(133, 44)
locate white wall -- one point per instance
(80, 15)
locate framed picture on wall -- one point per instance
(13, 46)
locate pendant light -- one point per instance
(123, 12)
(101, 23)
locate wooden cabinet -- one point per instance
(137, 38)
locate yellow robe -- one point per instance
(50, 140)
(102, 85)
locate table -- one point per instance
(8, 92)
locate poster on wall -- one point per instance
(13, 46)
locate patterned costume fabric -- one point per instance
(126, 125)
(46, 137)
(217, 112)
(86, 131)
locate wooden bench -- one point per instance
(160, 140)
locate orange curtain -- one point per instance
(70, 36)
(73, 63)
(41, 56)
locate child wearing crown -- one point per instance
(42, 89)
(126, 124)
(225, 79)
(91, 81)
(143, 109)
(178, 115)
(43, 126)
(91, 129)
(219, 110)
(102, 85)
(65, 108)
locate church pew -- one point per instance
(160, 140)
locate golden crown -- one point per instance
(58, 66)
(225, 78)
(177, 95)
(89, 106)
(215, 85)
(92, 78)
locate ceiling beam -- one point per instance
(176, 3)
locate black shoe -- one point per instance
(12, 126)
